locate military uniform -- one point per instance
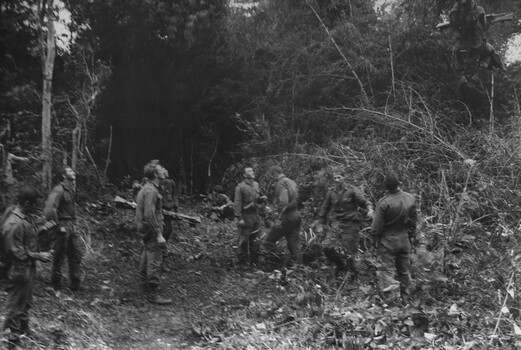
(21, 249)
(393, 225)
(221, 207)
(149, 220)
(470, 27)
(61, 207)
(247, 194)
(341, 244)
(170, 203)
(286, 201)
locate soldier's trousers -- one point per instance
(19, 299)
(150, 264)
(289, 229)
(248, 246)
(341, 245)
(68, 245)
(393, 260)
(167, 232)
(484, 52)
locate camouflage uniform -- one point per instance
(341, 244)
(393, 225)
(149, 220)
(286, 201)
(247, 194)
(21, 249)
(61, 207)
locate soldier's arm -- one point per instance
(237, 206)
(281, 199)
(378, 221)
(174, 194)
(325, 208)
(15, 243)
(361, 200)
(16, 158)
(482, 18)
(52, 203)
(413, 220)
(150, 199)
(227, 200)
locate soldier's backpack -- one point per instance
(5, 263)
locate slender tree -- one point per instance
(48, 56)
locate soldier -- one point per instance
(246, 201)
(221, 207)
(20, 243)
(469, 22)
(343, 201)
(394, 227)
(168, 191)
(149, 220)
(60, 207)
(287, 223)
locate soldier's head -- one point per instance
(163, 173)
(339, 174)
(68, 173)
(152, 169)
(248, 173)
(28, 198)
(464, 4)
(275, 171)
(391, 183)
(217, 189)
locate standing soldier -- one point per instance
(149, 220)
(61, 208)
(394, 227)
(287, 223)
(247, 196)
(343, 201)
(170, 203)
(20, 243)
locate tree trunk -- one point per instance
(48, 68)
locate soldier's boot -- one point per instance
(152, 295)
(76, 284)
(24, 327)
(353, 271)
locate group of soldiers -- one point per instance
(393, 227)
(393, 220)
(20, 249)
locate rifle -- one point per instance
(492, 18)
(192, 220)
